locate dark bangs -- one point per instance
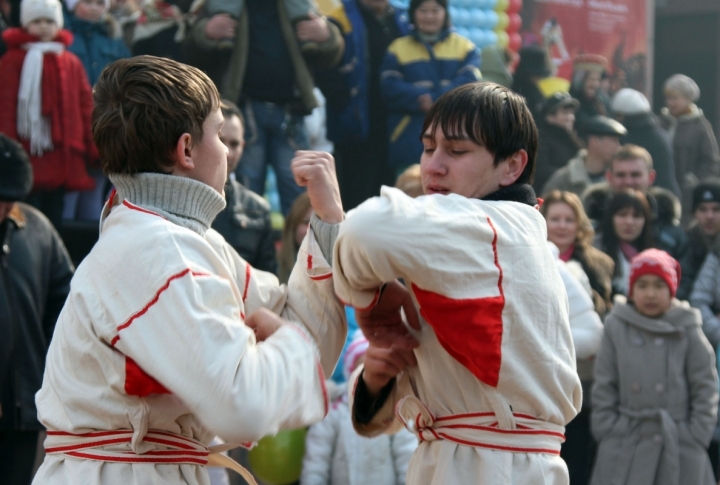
(489, 115)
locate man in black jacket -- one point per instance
(245, 221)
(35, 273)
(558, 142)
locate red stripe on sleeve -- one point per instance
(154, 300)
(247, 281)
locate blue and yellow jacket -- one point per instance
(352, 122)
(412, 68)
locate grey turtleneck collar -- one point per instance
(183, 201)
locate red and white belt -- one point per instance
(167, 448)
(481, 430)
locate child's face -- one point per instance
(651, 296)
(45, 29)
(90, 10)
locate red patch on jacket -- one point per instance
(139, 383)
(471, 329)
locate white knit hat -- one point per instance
(630, 102)
(70, 4)
(41, 9)
(683, 85)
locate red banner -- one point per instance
(615, 29)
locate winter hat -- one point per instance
(708, 191)
(683, 85)
(70, 4)
(630, 102)
(16, 175)
(533, 62)
(41, 9)
(658, 263)
(357, 348)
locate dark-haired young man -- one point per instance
(495, 381)
(157, 348)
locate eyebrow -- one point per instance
(461, 137)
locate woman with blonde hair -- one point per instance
(296, 226)
(571, 231)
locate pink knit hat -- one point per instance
(658, 263)
(357, 348)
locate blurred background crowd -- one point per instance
(354, 78)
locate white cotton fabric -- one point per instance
(443, 244)
(192, 340)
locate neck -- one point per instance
(594, 164)
(181, 200)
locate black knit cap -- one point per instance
(558, 100)
(415, 4)
(708, 191)
(16, 176)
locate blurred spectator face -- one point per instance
(603, 147)
(562, 225)
(564, 117)
(592, 83)
(630, 174)
(430, 17)
(5, 208)
(302, 228)
(651, 295)
(458, 166)
(708, 217)
(628, 224)
(90, 10)
(377, 6)
(45, 29)
(676, 103)
(232, 135)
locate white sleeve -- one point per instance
(192, 340)
(421, 240)
(320, 443)
(309, 299)
(585, 324)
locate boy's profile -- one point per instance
(495, 380)
(157, 348)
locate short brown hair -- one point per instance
(491, 116)
(632, 152)
(142, 106)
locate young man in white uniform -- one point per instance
(494, 382)
(157, 349)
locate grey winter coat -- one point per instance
(654, 399)
(706, 297)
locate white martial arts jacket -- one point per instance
(151, 358)
(495, 382)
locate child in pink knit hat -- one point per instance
(654, 401)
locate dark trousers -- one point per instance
(50, 203)
(579, 448)
(17, 456)
(362, 169)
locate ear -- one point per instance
(183, 154)
(514, 166)
(651, 176)
(608, 174)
